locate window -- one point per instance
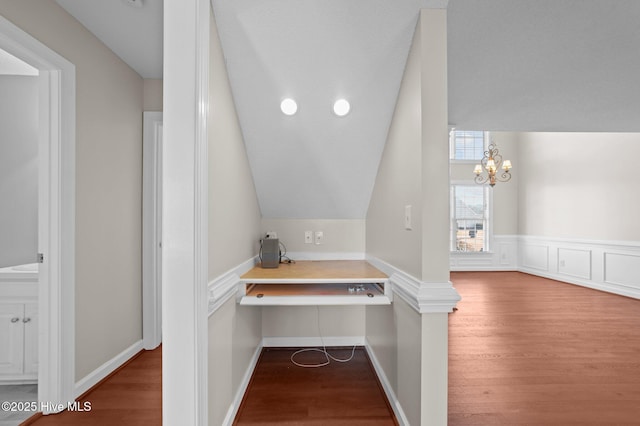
(470, 218)
(467, 144)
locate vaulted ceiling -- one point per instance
(514, 65)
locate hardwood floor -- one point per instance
(131, 396)
(336, 394)
(525, 350)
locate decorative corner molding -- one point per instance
(225, 286)
(422, 296)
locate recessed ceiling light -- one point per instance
(341, 107)
(289, 106)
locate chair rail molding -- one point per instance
(423, 297)
(225, 286)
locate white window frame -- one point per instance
(489, 220)
(486, 135)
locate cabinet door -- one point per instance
(11, 338)
(30, 322)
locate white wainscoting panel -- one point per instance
(612, 266)
(534, 256)
(574, 262)
(622, 269)
(502, 257)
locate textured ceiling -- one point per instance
(514, 65)
(544, 65)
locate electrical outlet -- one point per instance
(308, 237)
(319, 237)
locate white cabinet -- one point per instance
(18, 342)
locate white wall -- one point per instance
(108, 183)
(409, 340)
(577, 206)
(234, 213)
(398, 180)
(579, 185)
(234, 230)
(343, 238)
(18, 169)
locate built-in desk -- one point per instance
(322, 282)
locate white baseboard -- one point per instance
(386, 386)
(303, 342)
(242, 389)
(107, 368)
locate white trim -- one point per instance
(56, 343)
(387, 387)
(316, 300)
(583, 262)
(185, 212)
(244, 384)
(151, 229)
(227, 285)
(422, 296)
(93, 378)
(303, 342)
(617, 244)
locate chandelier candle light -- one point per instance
(491, 162)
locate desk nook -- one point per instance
(323, 282)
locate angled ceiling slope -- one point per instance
(315, 164)
(134, 33)
(514, 65)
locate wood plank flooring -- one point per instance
(337, 394)
(525, 350)
(132, 396)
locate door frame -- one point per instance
(56, 214)
(152, 230)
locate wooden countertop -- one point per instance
(317, 271)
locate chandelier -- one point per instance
(490, 163)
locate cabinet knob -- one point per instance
(26, 320)
(16, 319)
